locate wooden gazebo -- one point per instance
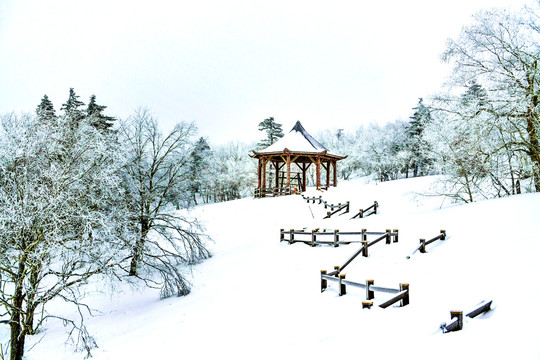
(300, 148)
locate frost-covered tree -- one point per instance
(199, 163)
(72, 109)
(45, 110)
(499, 50)
(232, 173)
(273, 132)
(100, 121)
(60, 224)
(414, 143)
(157, 165)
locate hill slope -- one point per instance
(259, 298)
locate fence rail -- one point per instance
(372, 210)
(314, 237)
(273, 191)
(424, 243)
(457, 316)
(401, 294)
(339, 208)
(334, 208)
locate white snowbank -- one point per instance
(258, 298)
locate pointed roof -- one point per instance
(297, 141)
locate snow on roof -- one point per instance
(297, 140)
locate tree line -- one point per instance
(84, 196)
(480, 131)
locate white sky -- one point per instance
(227, 65)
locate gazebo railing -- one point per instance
(274, 191)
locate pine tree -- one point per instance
(415, 144)
(94, 111)
(198, 166)
(72, 109)
(273, 131)
(45, 110)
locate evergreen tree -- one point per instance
(475, 95)
(415, 144)
(45, 110)
(199, 163)
(94, 111)
(273, 132)
(72, 109)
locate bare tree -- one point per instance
(59, 224)
(500, 52)
(156, 166)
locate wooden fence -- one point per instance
(401, 294)
(273, 191)
(424, 243)
(339, 207)
(334, 209)
(457, 317)
(372, 210)
(336, 237)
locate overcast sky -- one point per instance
(227, 65)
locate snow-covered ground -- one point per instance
(257, 298)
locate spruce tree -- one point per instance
(45, 110)
(273, 131)
(72, 109)
(198, 165)
(94, 111)
(416, 145)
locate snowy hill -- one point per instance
(258, 298)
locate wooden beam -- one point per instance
(318, 163)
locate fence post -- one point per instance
(405, 300)
(396, 233)
(361, 213)
(281, 235)
(320, 200)
(313, 238)
(324, 282)
(443, 234)
(388, 231)
(422, 246)
(342, 287)
(336, 269)
(365, 249)
(459, 316)
(375, 205)
(370, 294)
(364, 236)
(348, 203)
(291, 238)
(336, 237)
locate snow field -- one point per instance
(257, 298)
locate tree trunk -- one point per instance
(139, 248)
(18, 333)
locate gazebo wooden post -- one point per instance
(276, 165)
(288, 170)
(328, 163)
(318, 172)
(304, 170)
(263, 172)
(335, 172)
(259, 174)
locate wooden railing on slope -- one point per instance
(372, 210)
(424, 243)
(457, 317)
(310, 237)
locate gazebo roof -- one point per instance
(297, 141)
